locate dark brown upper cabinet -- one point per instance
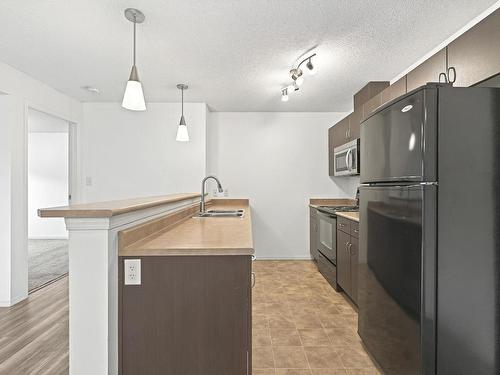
(428, 71)
(371, 105)
(354, 121)
(368, 91)
(398, 88)
(475, 55)
(340, 133)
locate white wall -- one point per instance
(133, 154)
(48, 177)
(279, 161)
(23, 92)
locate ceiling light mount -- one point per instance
(134, 15)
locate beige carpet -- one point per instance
(47, 261)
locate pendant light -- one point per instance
(182, 129)
(133, 98)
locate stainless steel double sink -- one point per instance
(221, 213)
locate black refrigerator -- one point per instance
(429, 254)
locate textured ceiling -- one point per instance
(234, 54)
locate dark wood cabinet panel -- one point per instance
(475, 55)
(341, 132)
(343, 261)
(371, 105)
(331, 161)
(354, 268)
(347, 256)
(428, 71)
(344, 224)
(354, 121)
(190, 315)
(354, 229)
(395, 90)
(337, 136)
(313, 234)
(368, 91)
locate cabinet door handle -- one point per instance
(452, 77)
(356, 230)
(253, 279)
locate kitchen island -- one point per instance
(191, 313)
(94, 267)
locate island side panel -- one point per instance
(191, 315)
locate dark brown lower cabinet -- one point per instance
(191, 315)
(347, 257)
(343, 261)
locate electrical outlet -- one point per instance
(132, 272)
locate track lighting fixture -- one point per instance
(297, 76)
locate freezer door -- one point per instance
(398, 143)
(396, 277)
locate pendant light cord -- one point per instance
(135, 23)
(182, 105)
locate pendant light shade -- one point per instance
(182, 130)
(133, 98)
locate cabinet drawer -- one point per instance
(344, 224)
(328, 270)
(355, 229)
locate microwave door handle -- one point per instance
(348, 160)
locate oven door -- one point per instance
(327, 236)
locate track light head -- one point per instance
(284, 95)
(311, 68)
(295, 73)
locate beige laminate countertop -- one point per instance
(349, 215)
(113, 208)
(201, 236)
(316, 202)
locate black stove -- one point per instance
(332, 210)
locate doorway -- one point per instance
(48, 186)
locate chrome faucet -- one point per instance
(203, 184)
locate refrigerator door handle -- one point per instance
(434, 183)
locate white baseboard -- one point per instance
(284, 258)
(13, 301)
(48, 238)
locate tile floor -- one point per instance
(301, 326)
